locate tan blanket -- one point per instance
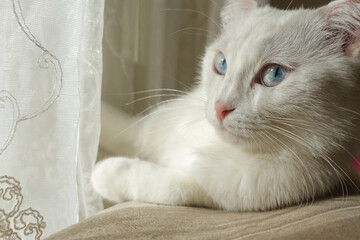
(324, 219)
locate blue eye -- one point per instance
(220, 64)
(273, 75)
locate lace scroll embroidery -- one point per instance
(16, 223)
(45, 61)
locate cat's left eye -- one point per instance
(273, 75)
(220, 64)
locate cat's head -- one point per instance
(277, 78)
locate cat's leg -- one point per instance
(120, 179)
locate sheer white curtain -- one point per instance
(50, 81)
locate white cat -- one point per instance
(273, 121)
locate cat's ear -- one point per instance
(236, 9)
(343, 17)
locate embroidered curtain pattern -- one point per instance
(50, 81)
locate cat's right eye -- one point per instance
(273, 75)
(220, 64)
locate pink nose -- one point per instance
(222, 111)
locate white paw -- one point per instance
(109, 178)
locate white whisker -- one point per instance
(152, 107)
(195, 11)
(152, 96)
(289, 4)
(208, 33)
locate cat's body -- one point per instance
(235, 143)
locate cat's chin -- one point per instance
(231, 136)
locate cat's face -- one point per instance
(276, 76)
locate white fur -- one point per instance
(282, 145)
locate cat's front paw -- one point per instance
(109, 178)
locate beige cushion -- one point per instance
(324, 219)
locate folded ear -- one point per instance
(343, 18)
(235, 9)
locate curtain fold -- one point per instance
(90, 76)
(50, 82)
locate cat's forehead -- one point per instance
(266, 22)
(267, 33)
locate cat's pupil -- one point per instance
(276, 72)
